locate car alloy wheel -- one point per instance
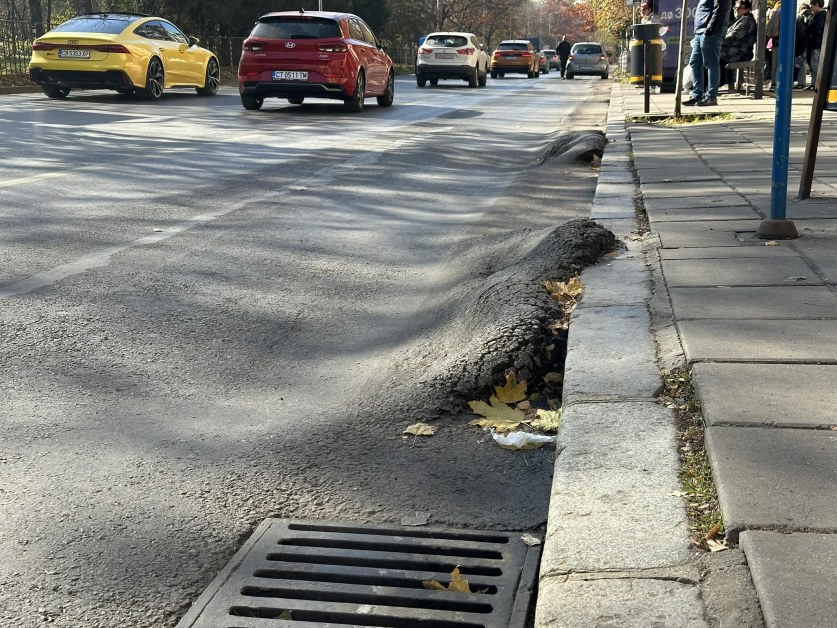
(212, 80)
(251, 102)
(482, 79)
(388, 96)
(356, 102)
(153, 89)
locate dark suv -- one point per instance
(316, 54)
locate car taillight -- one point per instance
(526, 54)
(40, 45)
(333, 48)
(425, 51)
(569, 57)
(602, 58)
(466, 51)
(118, 48)
(252, 46)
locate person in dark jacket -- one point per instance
(815, 32)
(739, 39)
(563, 51)
(711, 19)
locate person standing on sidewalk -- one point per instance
(563, 51)
(711, 19)
(815, 32)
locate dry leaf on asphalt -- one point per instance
(513, 390)
(458, 584)
(530, 540)
(715, 546)
(547, 421)
(420, 429)
(772, 243)
(564, 291)
(498, 415)
(713, 531)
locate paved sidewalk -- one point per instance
(756, 323)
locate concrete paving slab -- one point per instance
(704, 233)
(740, 212)
(617, 472)
(685, 188)
(771, 478)
(767, 395)
(634, 603)
(695, 200)
(611, 355)
(622, 228)
(627, 270)
(613, 207)
(660, 174)
(742, 250)
(744, 271)
(785, 302)
(794, 591)
(759, 340)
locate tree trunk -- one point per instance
(36, 17)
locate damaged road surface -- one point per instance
(219, 316)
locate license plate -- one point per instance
(444, 55)
(282, 75)
(73, 54)
(511, 57)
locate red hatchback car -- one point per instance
(316, 54)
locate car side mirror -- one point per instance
(194, 41)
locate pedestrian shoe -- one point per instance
(691, 102)
(708, 102)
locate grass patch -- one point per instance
(691, 118)
(697, 486)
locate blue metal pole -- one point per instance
(784, 97)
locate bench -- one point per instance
(744, 77)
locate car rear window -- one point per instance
(110, 25)
(587, 49)
(512, 46)
(297, 28)
(446, 41)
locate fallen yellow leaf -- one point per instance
(513, 390)
(564, 291)
(433, 585)
(547, 421)
(420, 429)
(458, 583)
(498, 415)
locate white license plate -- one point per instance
(73, 54)
(444, 55)
(282, 75)
(511, 57)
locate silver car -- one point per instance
(587, 57)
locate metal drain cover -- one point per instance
(314, 573)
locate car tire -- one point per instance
(358, 99)
(251, 102)
(212, 79)
(546, 71)
(434, 82)
(421, 81)
(154, 76)
(604, 76)
(296, 100)
(530, 74)
(55, 91)
(482, 79)
(502, 74)
(570, 76)
(494, 75)
(473, 77)
(385, 99)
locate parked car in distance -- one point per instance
(314, 54)
(515, 56)
(452, 55)
(587, 57)
(126, 52)
(543, 62)
(553, 58)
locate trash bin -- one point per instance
(831, 101)
(643, 33)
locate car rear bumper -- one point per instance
(588, 70)
(269, 89)
(429, 71)
(82, 79)
(510, 69)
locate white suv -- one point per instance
(452, 56)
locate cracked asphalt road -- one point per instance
(209, 316)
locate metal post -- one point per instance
(825, 70)
(778, 227)
(761, 44)
(678, 96)
(646, 46)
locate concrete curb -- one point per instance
(617, 541)
(20, 89)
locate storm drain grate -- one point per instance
(313, 573)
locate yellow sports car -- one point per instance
(126, 52)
